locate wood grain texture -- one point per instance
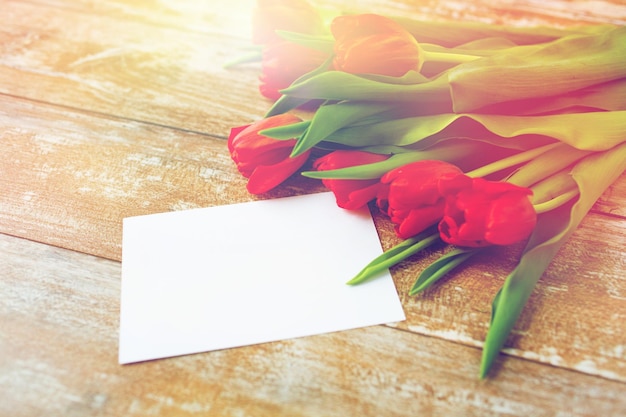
(118, 108)
(126, 69)
(201, 17)
(58, 318)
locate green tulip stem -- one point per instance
(512, 160)
(324, 43)
(447, 57)
(554, 191)
(253, 56)
(555, 202)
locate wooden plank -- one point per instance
(58, 355)
(232, 18)
(613, 201)
(562, 12)
(188, 15)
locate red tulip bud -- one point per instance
(482, 213)
(283, 63)
(350, 194)
(265, 161)
(411, 197)
(289, 15)
(373, 44)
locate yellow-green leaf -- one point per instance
(564, 65)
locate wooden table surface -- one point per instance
(118, 108)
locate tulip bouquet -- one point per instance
(468, 134)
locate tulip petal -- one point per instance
(374, 44)
(420, 219)
(355, 194)
(500, 230)
(266, 177)
(482, 213)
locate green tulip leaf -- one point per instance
(287, 103)
(450, 151)
(284, 104)
(332, 117)
(438, 269)
(410, 78)
(546, 164)
(285, 132)
(440, 33)
(395, 255)
(480, 47)
(338, 85)
(559, 67)
(580, 130)
(320, 43)
(608, 96)
(254, 55)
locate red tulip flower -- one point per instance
(350, 194)
(411, 197)
(265, 161)
(482, 213)
(289, 15)
(283, 63)
(373, 44)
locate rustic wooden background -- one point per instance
(116, 108)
